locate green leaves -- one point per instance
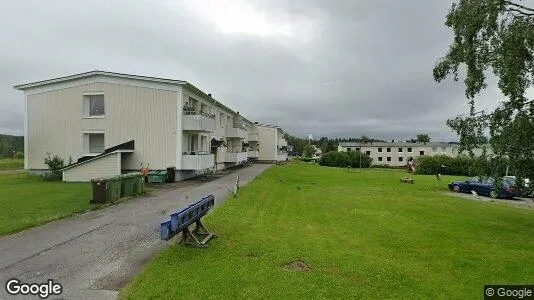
(494, 35)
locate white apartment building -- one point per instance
(108, 123)
(398, 153)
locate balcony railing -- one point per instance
(201, 161)
(253, 137)
(188, 110)
(198, 121)
(253, 153)
(232, 132)
(236, 157)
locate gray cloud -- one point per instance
(365, 69)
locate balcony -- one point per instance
(253, 137)
(238, 133)
(193, 120)
(198, 161)
(253, 153)
(236, 157)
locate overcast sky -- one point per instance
(327, 68)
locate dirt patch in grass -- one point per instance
(297, 265)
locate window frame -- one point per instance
(86, 142)
(87, 99)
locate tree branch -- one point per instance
(519, 6)
(510, 9)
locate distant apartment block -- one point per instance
(108, 123)
(398, 153)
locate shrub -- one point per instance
(55, 164)
(384, 166)
(19, 155)
(345, 159)
(305, 159)
(461, 165)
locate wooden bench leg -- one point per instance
(190, 237)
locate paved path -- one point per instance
(95, 254)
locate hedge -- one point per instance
(345, 159)
(461, 165)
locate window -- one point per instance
(380, 158)
(434, 149)
(94, 143)
(388, 149)
(368, 152)
(379, 149)
(388, 158)
(409, 149)
(401, 158)
(400, 149)
(349, 149)
(357, 149)
(222, 118)
(93, 106)
(421, 152)
(443, 149)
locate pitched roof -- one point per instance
(30, 85)
(188, 85)
(397, 144)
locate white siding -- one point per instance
(268, 143)
(105, 166)
(147, 115)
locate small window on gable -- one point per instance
(94, 106)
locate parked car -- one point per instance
(485, 187)
(526, 183)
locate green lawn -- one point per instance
(26, 201)
(362, 234)
(11, 164)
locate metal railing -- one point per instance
(196, 152)
(188, 110)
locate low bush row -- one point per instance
(345, 159)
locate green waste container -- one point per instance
(127, 185)
(157, 176)
(139, 183)
(113, 188)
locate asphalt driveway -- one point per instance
(94, 254)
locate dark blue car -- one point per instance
(485, 187)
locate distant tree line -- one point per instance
(11, 146)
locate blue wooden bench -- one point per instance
(181, 220)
